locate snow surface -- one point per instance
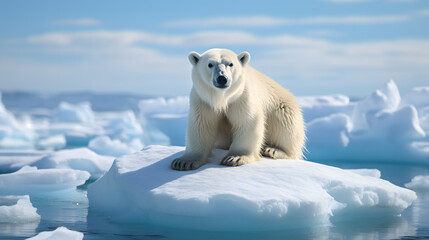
(60, 233)
(419, 183)
(266, 195)
(17, 209)
(33, 181)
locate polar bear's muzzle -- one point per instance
(221, 82)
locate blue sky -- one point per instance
(310, 47)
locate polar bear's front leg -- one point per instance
(200, 137)
(248, 134)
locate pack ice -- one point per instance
(381, 126)
(266, 195)
(62, 233)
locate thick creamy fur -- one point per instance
(253, 116)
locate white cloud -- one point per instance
(348, 1)
(261, 21)
(129, 61)
(82, 22)
(423, 12)
(100, 39)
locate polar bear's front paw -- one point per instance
(274, 153)
(236, 160)
(183, 164)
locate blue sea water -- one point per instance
(70, 209)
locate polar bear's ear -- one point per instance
(194, 58)
(244, 58)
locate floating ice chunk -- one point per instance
(52, 142)
(419, 97)
(124, 126)
(15, 144)
(77, 159)
(32, 181)
(14, 134)
(321, 106)
(17, 209)
(60, 233)
(79, 113)
(266, 195)
(173, 125)
(105, 146)
(329, 131)
(11, 161)
(76, 134)
(387, 98)
(165, 120)
(178, 105)
(419, 183)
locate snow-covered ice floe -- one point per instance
(266, 195)
(419, 183)
(17, 209)
(30, 180)
(60, 233)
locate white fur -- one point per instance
(253, 116)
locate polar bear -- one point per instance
(235, 107)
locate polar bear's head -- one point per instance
(219, 68)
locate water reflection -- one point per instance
(385, 228)
(9, 230)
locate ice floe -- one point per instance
(33, 181)
(266, 195)
(17, 210)
(62, 233)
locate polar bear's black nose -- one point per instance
(221, 80)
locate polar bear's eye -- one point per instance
(231, 65)
(210, 65)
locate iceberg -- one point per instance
(76, 159)
(17, 209)
(168, 116)
(265, 195)
(62, 233)
(320, 106)
(12, 161)
(380, 127)
(418, 97)
(123, 126)
(105, 146)
(54, 142)
(178, 105)
(74, 113)
(33, 181)
(14, 134)
(419, 183)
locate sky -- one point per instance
(313, 47)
